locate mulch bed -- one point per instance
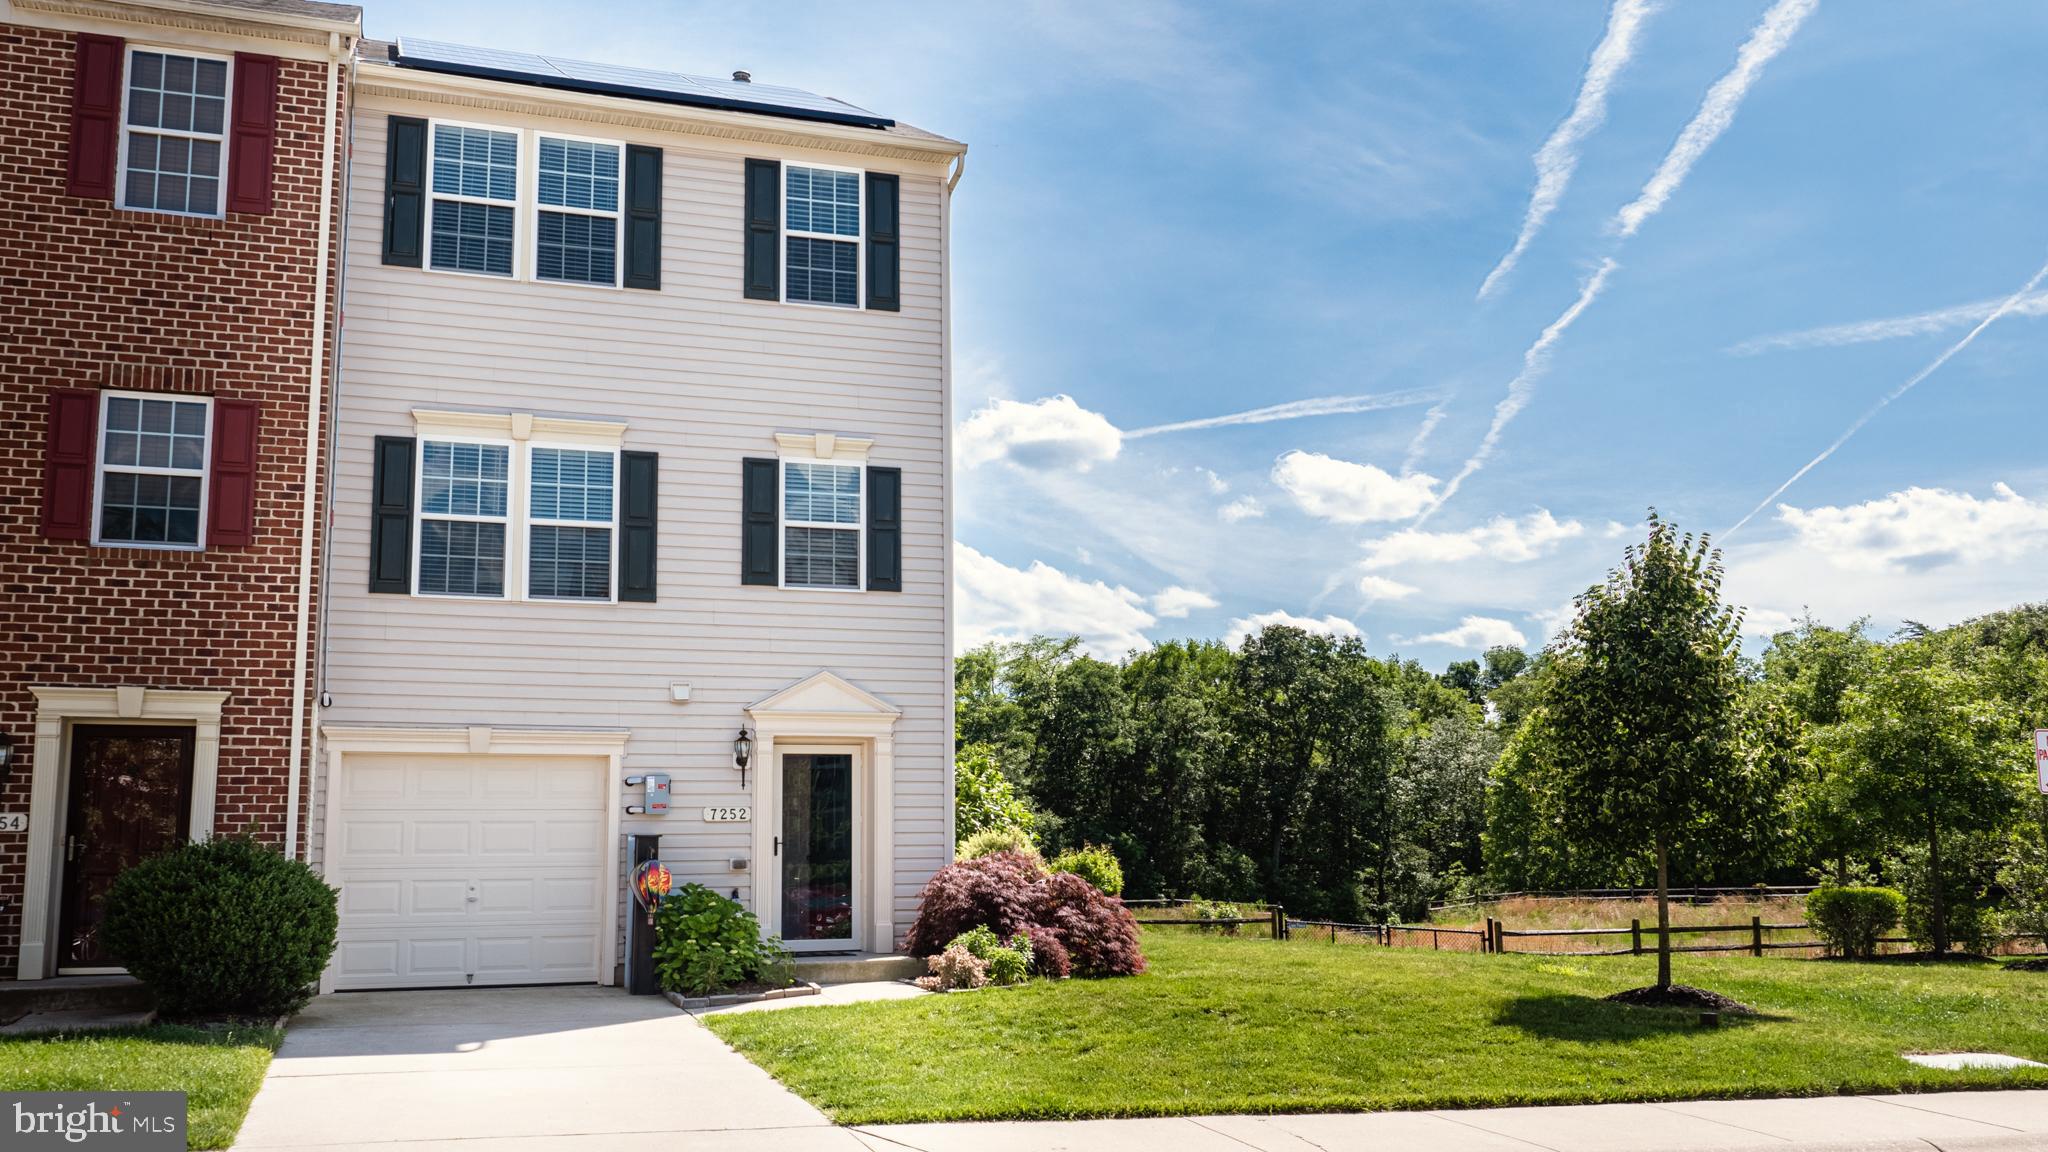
(1682, 996)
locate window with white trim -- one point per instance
(474, 186)
(576, 237)
(174, 133)
(821, 523)
(821, 237)
(152, 469)
(464, 510)
(572, 519)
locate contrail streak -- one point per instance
(1416, 444)
(1558, 158)
(1717, 110)
(1296, 410)
(1889, 327)
(2010, 303)
(1534, 361)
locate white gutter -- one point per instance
(309, 513)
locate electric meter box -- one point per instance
(657, 794)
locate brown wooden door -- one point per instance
(131, 798)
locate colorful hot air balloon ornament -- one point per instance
(651, 881)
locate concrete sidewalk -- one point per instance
(576, 1068)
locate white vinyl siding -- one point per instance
(706, 378)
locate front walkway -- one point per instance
(534, 1069)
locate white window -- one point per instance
(571, 522)
(152, 470)
(473, 178)
(174, 134)
(576, 237)
(464, 504)
(821, 236)
(821, 522)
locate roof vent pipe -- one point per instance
(743, 77)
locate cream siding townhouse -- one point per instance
(640, 463)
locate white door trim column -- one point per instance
(57, 707)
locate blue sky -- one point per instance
(1175, 213)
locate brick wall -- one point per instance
(92, 296)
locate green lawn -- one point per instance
(1247, 1025)
(219, 1072)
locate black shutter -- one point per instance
(643, 220)
(391, 515)
(885, 529)
(639, 484)
(405, 190)
(764, 230)
(760, 492)
(885, 260)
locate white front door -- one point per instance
(819, 846)
(463, 870)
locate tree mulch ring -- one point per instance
(1682, 996)
(2037, 964)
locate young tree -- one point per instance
(982, 796)
(1930, 758)
(1643, 706)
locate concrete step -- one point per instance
(119, 993)
(858, 968)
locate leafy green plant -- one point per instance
(983, 797)
(704, 943)
(1850, 920)
(222, 927)
(1006, 963)
(1095, 864)
(1210, 911)
(990, 841)
(955, 968)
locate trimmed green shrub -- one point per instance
(222, 927)
(1095, 864)
(704, 943)
(1850, 920)
(1207, 912)
(1007, 963)
(990, 841)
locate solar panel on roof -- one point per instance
(640, 83)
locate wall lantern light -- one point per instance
(742, 751)
(6, 757)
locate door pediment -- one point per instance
(828, 699)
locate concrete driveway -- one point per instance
(490, 1070)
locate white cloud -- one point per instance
(1381, 588)
(1501, 538)
(1054, 432)
(1244, 626)
(1891, 327)
(1764, 623)
(1559, 155)
(1475, 632)
(1350, 493)
(1716, 111)
(998, 602)
(1217, 484)
(1176, 602)
(1242, 508)
(1923, 528)
(1870, 413)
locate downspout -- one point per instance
(309, 512)
(952, 832)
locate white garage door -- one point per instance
(468, 870)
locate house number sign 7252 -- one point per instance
(735, 815)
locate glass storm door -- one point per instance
(816, 847)
(131, 798)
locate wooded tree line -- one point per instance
(1300, 769)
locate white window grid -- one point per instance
(101, 467)
(858, 239)
(526, 207)
(220, 208)
(420, 515)
(616, 214)
(529, 521)
(858, 528)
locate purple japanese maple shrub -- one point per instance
(994, 891)
(1098, 932)
(1048, 956)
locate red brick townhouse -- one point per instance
(169, 174)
